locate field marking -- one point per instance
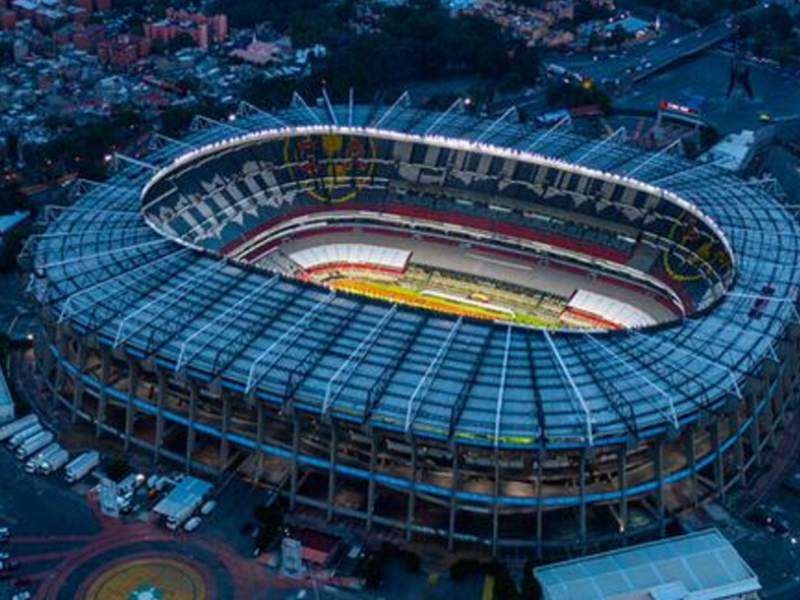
(500, 262)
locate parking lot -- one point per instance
(63, 548)
(773, 548)
(702, 83)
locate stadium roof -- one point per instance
(698, 566)
(101, 267)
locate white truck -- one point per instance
(9, 429)
(34, 461)
(79, 467)
(23, 435)
(176, 521)
(54, 463)
(129, 485)
(33, 444)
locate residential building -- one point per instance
(203, 29)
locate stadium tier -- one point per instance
(178, 316)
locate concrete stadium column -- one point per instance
(295, 461)
(45, 356)
(373, 454)
(540, 455)
(161, 397)
(658, 460)
(755, 429)
(741, 463)
(582, 504)
(622, 466)
(78, 386)
(259, 441)
(719, 467)
(767, 439)
(412, 492)
(130, 409)
(768, 375)
(496, 504)
(77, 398)
(788, 397)
(451, 530)
(39, 347)
(190, 430)
(691, 459)
(224, 443)
(334, 450)
(62, 345)
(778, 405)
(784, 383)
(105, 376)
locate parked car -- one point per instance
(763, 517)
(208, 507)
(192, 524)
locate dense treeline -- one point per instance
(771, 33)
(82, 147)
(702, 11)
(417, 41)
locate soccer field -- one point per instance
(455, 295)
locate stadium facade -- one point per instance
(172, 320)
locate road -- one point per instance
(641, 61)
(703, 82)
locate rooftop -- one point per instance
(697, 566)
(733, 151)
(188, 492)
(8, 222)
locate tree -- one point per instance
(594, 41)
(690, 147)
(618, 37)
(181, 41)
(421, 40)
(270, 521)
(374, 567)
(12, 145)
(588, 11)
(526, 62)
(531, 589)
(464, 568)
(708, 137)
(117, 469)
(504, 586)
(568, 95)
(12, 199)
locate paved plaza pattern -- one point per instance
(149, 577)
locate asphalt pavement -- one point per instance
(702, 83)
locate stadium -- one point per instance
(450, 327)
